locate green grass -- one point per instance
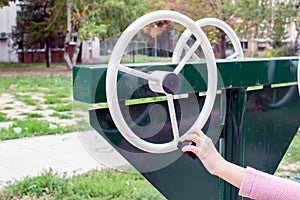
(3, 117)
(8, 108)
(39, 108)
(31, 102)
(296, 171)
(52, 100)
(35, 84)
(291, 157)
(293, 153)
(104, 185)
(33, 115)
(62, 115)
(62, 108)
(78, 115)
(61, 92)
(27, 99)
(57, 93)
(33, 127)
(16, 65)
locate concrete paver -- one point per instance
(71, 153)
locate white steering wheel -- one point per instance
(238, 54)
(181, 44)
(159, 81)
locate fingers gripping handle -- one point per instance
(198, 143)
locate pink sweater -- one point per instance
(262, 186)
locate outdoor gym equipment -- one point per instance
(150, 106)
(159, 81)
(238, 54)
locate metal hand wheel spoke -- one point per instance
(181, 44)
(234, 55)
(137, 73)
(187, 48)
(237, 54)
(187, 56)
(173, 119)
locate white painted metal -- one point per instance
(181, 44)
(238, 54)
(156, 86)
(115, 65)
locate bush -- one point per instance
(105, 184)
(278, 52)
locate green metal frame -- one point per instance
(261, 119)
(89, 81)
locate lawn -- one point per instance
(106, 184)
(290, 164)
(39, 105)
(21, 65)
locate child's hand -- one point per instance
(204, 149)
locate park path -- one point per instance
(71, 153)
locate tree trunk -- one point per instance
(70, 63)
(76, 52)
(68, 38)
(66, 52)
(47, 54)
(23, 50)
(222, 45)
(296, 44)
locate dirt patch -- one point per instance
(31, 71)
(18, 108)
(288, 169)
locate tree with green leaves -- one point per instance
(297, 21)
(40, 25)
(249, 18)
(5, 2)
(266, 19)
(102, 19)
(195, 9)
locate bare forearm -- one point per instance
(252, 183)
(231, 173)
(212, 160)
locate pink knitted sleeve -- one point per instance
(262, 186)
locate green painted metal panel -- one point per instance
(257, 133)
(256, 127)
(89, 81)
(171, 173)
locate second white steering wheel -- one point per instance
(181, 44)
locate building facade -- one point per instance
(8, 16)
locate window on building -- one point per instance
(244, 45)
(261, 46)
